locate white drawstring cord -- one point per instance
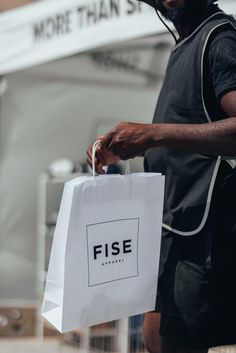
(95, 146)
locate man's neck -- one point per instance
(184, 30)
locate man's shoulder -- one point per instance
(219, 22)
(223, 32)
(226, 34)
(223, 37)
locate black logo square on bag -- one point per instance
(112, 250)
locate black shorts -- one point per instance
(197, 279)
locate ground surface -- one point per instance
(54, 346)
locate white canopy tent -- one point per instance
(70, 69)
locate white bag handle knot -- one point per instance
(95, 146)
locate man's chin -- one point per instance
(174, 15)
(183, 15)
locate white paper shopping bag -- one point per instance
(105, 253)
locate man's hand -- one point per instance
(103, 158)
(128, 140)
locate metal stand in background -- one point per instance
(123, 343)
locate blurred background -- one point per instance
(50, 111)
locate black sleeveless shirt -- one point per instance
(187, 97)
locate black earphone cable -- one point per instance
(168, 28)
(209, 7)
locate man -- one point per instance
(192, 141)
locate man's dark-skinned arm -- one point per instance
(128, 140)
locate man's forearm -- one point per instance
(216, 138)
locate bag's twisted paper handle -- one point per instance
(95, 146)
(127, 169)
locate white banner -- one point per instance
(53, 29)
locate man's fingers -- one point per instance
(100, 170)
(99, 159)
(100, 156)
(89, 158)
(105, 142)
(98, 167)
(89, 153)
